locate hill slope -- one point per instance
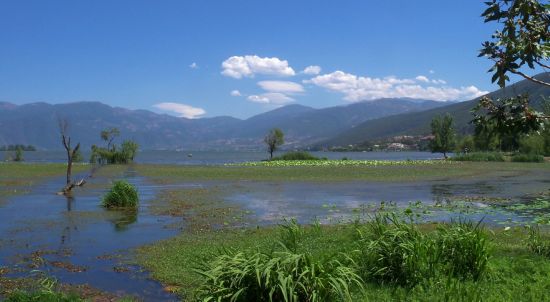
(418, 123)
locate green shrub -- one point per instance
(527, 158)
(296, 155)
(479, 156)
(393, 251)
(462, 250)
(18, 154)
(121, 195)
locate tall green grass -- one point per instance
(537, 244)
(296, 155)
(527, 158)
(279, 275)
(479, 156)
(463, 250)
(121, 195)
(396, 252)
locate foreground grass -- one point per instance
(417, 171)
(515, 273)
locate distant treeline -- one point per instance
(17, 147)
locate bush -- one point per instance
(527, 158)
(393, 251)
(479, 156)
(462, 250)
(121, 195)
(296, 155)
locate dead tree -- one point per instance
(66, 140)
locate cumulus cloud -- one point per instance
(194, 65)
(281, 86)
(181, 110)
(312, 70)
(357, 88)
(422, 78)
(235, 93)
(274, 98)
(247, 66)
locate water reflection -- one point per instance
(124, 219)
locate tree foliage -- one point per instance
(113, 154)
(523, 39)
(507, 119)
(444, 134)
(273, 140)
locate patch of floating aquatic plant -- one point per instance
(538, 209)
(347, 163)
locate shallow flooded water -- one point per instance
(442, 200)
(78, 242)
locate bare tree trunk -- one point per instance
(66, 140)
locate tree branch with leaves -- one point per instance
(522, 41)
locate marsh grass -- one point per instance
(395, 251)
(537, 244)
(296, 155)
(527, 158)
(462, 249)
(479, 156)
(279, 275)
(121, 195)
(47, 291)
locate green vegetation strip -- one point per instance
(383, 172)
(339, 163)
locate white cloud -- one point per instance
(439, 81)
(431, 71)
(181, 110)
(235, 93)
(357, 88)
(275, 98)
(422, 78)
(248, 66)
(312, 70)
(194, 65)
(281, 86)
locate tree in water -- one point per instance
(444, 135)
(109, 135)
(273, 140)
(71, 154)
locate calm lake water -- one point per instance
(224, 157)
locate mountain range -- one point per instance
(418, 123)
(37, 123)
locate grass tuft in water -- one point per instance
(121, 195)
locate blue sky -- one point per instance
(240, 58)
